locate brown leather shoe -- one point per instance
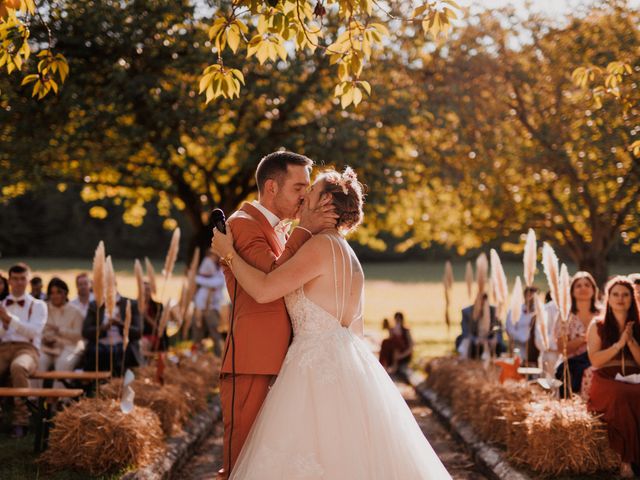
(18, 431)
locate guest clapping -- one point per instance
(584, 295)
(613, 346)
(62, 345)
(22, 319)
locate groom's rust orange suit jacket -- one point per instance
(261, 331)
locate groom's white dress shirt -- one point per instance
(273, 220)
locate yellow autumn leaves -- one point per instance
(282, 27)
(52, 69)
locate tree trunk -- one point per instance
(596, 263)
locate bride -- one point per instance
(333, 413)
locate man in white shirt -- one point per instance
(208, 300)
(22, 319)
(83, 286)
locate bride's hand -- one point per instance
(222, 244)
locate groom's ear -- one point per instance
(271, 186)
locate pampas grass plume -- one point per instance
(530, 258)
(482, 272)
(151, 275)
(172, 254)
(551, 270)
(110, 288)
(127, 326)
(564, 293)
(98, 274)
(468, 277)
(137, 268)
(517, 300)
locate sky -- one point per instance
(550, 7)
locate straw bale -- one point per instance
(94, 436)
(560, 437)
(167, 401)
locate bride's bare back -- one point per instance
(339, 289)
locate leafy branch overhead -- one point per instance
(15, 50)
(274, 30)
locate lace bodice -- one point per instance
(308, 317)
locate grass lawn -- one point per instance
(414, 288)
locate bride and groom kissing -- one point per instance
(302, 395)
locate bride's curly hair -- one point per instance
(348, 197)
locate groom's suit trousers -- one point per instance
(250, 392)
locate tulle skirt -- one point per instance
(333, 414)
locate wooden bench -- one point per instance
(71, 379)
(43, 410)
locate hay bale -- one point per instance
(167, 401)
(94, 436)
(560, 437)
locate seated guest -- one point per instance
(110, 338)
(62, 344)
(522, 331)
(150, 323)
(635, 279)
(4, 288)
(22, 319)
(584, 294)
(208, 301)
(83, 286)
(481, 315)
(396, 351)
(36, 288)
(612, 343)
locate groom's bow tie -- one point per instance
(10, 302)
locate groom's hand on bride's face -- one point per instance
(320, 217)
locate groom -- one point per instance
(262, 333)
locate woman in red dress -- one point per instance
(613, 346)
(396, 351)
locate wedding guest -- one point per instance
(522, 331)
(36, 288)
(4, 288)
(150, 323)
(635, 279)
(22, 319)
(62, 344)
(472, 341)
(396, 351)
(110, 338)
(549, 354)
(208, 300)
(584, 308)
(83, 287)
(612, 343)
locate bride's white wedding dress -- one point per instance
(333, 413)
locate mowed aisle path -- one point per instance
(207, 459)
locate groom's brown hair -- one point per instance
(274, 166)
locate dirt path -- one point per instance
(207, 460)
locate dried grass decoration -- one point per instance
(553, 437)
(447, 281)
(561, 438)
(94, 436)
(167, 401)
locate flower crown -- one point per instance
(346, 178)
